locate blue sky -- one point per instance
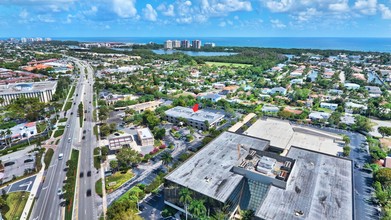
(192, 18)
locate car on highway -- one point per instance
(60, 156)
(89, 192)
(59, 191)
(89, 173)
(81, 175)
(67, 126)
(71, 113)
(69, 140)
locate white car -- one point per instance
(59, 191)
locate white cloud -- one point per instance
(23, 14)
(46, 18)
(92, 11)
(125, 8)
(184, 20)
(307, 15)
(279, 6)
(277, 24)
(222, 24)
(223, 7)
(385, 11)
(366, 7)
(339, 6)
(167, 11)
(150, 13)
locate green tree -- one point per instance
(362, 124)
(114, 165)
(384, 176)
(159, 133)
(346, 139)
(384, 131)
(127, 157)
(185, 197)
(3, 202)
(166, 158)
(346, 151)
(197, 208)
(247, 214)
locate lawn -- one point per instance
(68, 106)
(58, 133)
(114, 181)
(98, 187)
(218, 64)
(41, 126)
(96, 131)
(63, 120)
(48, 157)
(15, 205)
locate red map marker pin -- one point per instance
(195, 108)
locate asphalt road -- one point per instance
(48, 204)
(86, 203)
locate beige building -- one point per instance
(145, 136)
(44, 91)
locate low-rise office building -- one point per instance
(239, 172)
(44, 91)
(145, 136)
(202, 119)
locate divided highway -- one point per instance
(48, 204)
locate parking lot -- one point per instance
(152, 207)
(16, 163)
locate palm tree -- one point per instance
(9, 134)
(185, 197)
(166, 158)
(2, 134)
(198, 208)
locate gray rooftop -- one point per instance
(208, 171)
(144, 133)
(187, 113)
(319, 185)
(15, 88)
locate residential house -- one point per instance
(212, 97)
(330, 106)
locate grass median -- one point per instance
(48, 157)
(70, 184)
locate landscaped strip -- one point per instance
(69, 186)
(15, 202)
(48, 157)
(98, 187)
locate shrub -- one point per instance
(163, 146)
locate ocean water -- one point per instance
(355, 44)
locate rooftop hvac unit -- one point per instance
(282, 175)
(287, 166)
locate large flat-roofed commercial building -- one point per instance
(282, 135)
(238, 172)
(42, 90)
(194, 119)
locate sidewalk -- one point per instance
(104, 199)
(33, 192)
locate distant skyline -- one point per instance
(195, 18)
